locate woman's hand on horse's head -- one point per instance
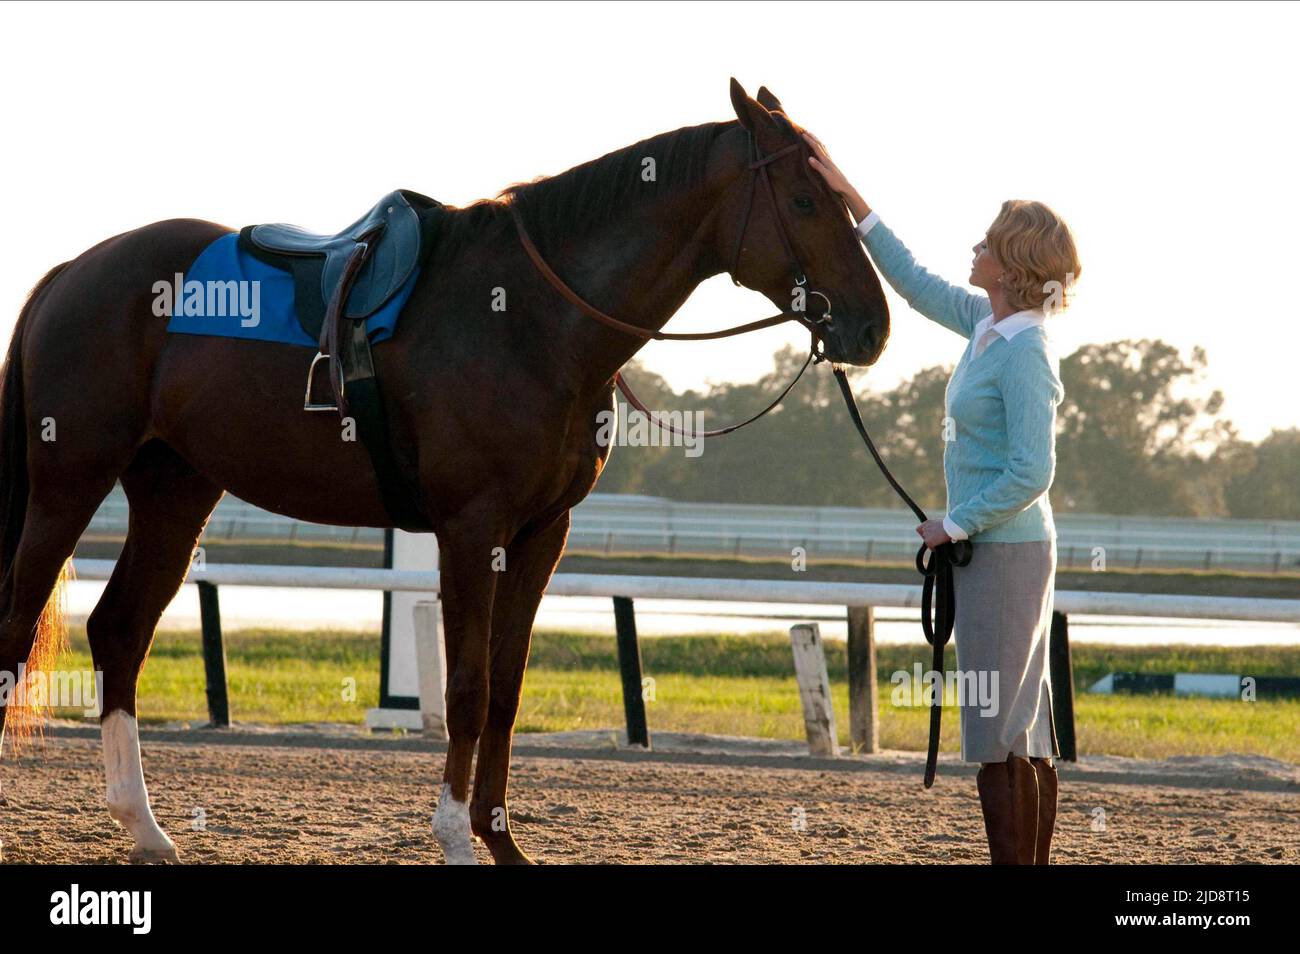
(822, 162)
(835, 179)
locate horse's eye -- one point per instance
(803, 203)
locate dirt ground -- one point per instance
(271, 800)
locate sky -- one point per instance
(1164, 134)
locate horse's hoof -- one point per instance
(506, 851)
(456, 856)
(154, 856)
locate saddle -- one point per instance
(392, 232)
(347, 277)
(339, 281)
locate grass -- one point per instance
(718, 684)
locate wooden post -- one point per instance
(431, 669)
(864, 731)
(214, 656)
(814, 689)
(629, 666)
(1062, 669)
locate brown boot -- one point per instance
(1009, 799)
(991, 780)
(1047, 790)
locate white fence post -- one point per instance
(431, 667)
(814, 689)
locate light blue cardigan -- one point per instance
(1001, 456)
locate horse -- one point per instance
(493, 416)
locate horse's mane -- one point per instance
(590, 194)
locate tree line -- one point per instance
(1136, 434)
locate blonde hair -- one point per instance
(1036, 250)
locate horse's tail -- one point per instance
(51, 633)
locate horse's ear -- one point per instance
(752, 115)
(769, 100)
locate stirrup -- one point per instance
(307, 404)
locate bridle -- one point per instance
(937, 594)
(758, 170)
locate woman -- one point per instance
(999, 460)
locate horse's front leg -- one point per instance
(467, 548)
(530, 561)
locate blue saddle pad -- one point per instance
(260, 303)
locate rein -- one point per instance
(635, 401)
(573, 298)
(938, 597)
(758, 170)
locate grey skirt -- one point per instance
(1003, 624)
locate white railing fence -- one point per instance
(858, 598)
(611, 524)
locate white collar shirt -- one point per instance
(1008, 327)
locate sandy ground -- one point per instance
(319, 797)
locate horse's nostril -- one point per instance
(870, 338)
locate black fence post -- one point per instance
(214, 656)
(1062, 686)
(629, 666)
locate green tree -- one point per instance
(1268, 486)
(1126, 439)
(1134, 436)
(804, 452)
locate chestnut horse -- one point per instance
(494, 415)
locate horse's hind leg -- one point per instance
(530, 561)
(50, 532)
(49, 535)
(170, 504)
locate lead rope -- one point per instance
(938, 596)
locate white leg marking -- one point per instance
(451, 828)
(128, 799)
